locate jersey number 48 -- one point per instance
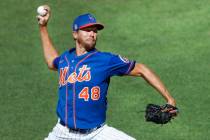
(94, 93)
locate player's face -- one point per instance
(87, 37)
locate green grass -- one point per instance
(171, 37)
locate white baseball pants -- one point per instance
(105, 132)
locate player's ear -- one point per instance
(75, 34)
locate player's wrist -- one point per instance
(42, 25)
(171, 102)
(43, 28)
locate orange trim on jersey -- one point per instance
(66, 112)
(74, 89)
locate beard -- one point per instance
(88, 44)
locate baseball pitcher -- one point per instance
(84, 75)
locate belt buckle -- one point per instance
(85, 131)
(82, 131)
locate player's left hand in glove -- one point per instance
(160, 114)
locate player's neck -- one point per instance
(80, 51)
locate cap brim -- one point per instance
(97, 25)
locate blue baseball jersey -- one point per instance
(83, 85)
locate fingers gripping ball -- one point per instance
(43, 15)
(43, 10)
(160, 114)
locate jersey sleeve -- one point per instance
(56, 62)
(120, 65)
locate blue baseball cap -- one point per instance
(86, 20)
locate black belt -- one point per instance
(83, 131)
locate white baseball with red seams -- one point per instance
(41, 10)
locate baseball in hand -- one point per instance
(42, 11)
